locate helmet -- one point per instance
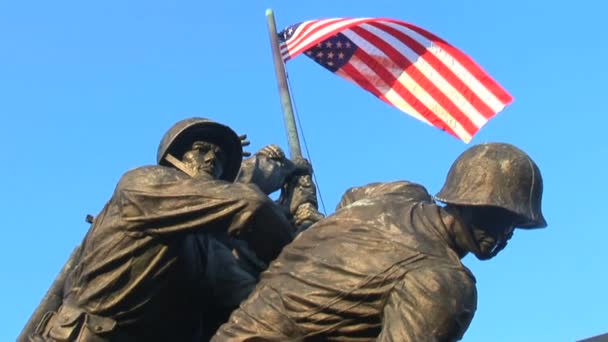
(182, 135)
(499, 175)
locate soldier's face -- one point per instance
(492, 228)
(491, 240)
(205, 157)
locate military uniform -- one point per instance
(158, 262)
(380, 268)
(386, 266)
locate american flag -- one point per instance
(403, 65)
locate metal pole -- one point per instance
(279, 67)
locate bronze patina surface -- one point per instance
(178, 246)
(386, 265)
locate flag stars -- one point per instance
(332, 53)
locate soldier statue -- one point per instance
(170, 254)
(386, 266)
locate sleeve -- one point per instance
(429, 305)
(176, 207)
(240, 209)
(398, 188)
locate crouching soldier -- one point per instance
(386, 265)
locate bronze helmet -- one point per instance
(499, 175)
(179, 139)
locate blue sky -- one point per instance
(88, 88)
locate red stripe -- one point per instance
(442, 69)
(360, 79)
(287, 54)
(467, 62)
(402, 63)
(302, 33)
(396, 86)
(352, 74)
(309, 43)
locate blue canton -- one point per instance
(333, 52)
(288, 32)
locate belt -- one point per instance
(73, 324)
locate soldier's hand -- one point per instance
(273, 152)
(245, 142)
(306, 215)
(302, 166)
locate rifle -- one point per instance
(53, 298)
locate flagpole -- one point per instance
(279, 68)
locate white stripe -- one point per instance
(393, 97)
(408, 83)
(433, 75)
(301, 31)
(434, 107)
(297, 48)
(459, 70)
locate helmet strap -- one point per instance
(180, 165)
(501, 245)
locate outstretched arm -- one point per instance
(180, 205)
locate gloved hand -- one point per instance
(301, 166)
(268, 169)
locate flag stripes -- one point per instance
(407, 67)
(312, 32)
(428, 99)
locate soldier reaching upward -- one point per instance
(159, 250)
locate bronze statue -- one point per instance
(174, 242)
(270, 170)
(386, 265)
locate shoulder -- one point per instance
(405, 189)
(150, 175)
